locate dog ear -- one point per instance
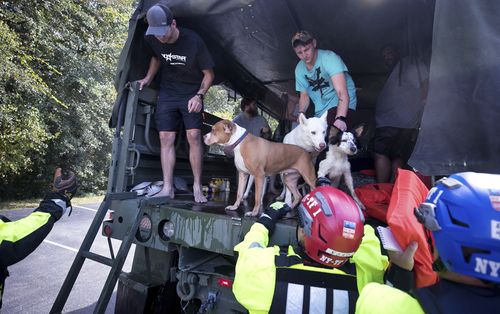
(228, 127)
(324, 116)
(358, 131)
(333, 132)
(302, 118)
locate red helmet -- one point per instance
(333, 226)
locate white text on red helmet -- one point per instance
(326, 259)
(310, 203)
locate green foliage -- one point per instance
(218, 102)
(57, 64)
(22, 135)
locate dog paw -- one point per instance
(231, 207)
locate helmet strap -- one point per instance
(438, 265)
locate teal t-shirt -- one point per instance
(317, 82)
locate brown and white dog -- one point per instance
(259, 157)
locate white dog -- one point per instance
(336, 164)
(310, 134)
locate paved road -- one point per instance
(35, 281)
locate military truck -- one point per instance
(184, 258)
(180, 245)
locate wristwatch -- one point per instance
(201, 96)
(341, 118)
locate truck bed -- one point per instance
(203, 226)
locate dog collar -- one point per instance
(233, 146)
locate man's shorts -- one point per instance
(169, 115)
(394, 142)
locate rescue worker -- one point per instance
(463, 214)
(19, 238)
(336, 257)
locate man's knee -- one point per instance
(193, 136)
(167, 138)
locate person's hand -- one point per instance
(195, 104)
(265, 133)
(274, 212)
(65, 182)
(341, 125)
(404, 259)
(278, 210)
(144, 82)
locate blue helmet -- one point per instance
(463, 213)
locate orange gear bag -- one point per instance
(408, 193)
(376, 198)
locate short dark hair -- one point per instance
(245, 101)
(392, 46)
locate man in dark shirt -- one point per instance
(186, 75)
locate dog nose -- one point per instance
(322, 146)
(354, 149)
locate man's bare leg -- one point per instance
(397, 163)
(167, 154)
(196, 159)
(382, 168)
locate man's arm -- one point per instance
(195, 104)
(303, 102)
(154, 66)
(340, 86)
(208, 78)
(19, 238)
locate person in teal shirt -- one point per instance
(322, 76)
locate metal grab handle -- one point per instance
(138, 157)
(149, 113)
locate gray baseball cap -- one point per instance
(301, 38)
(159, 19)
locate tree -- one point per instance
(57, 63)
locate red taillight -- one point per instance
(226, 283)
(108, 230)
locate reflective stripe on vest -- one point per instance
(301, 291)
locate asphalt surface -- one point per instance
(34, 282)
